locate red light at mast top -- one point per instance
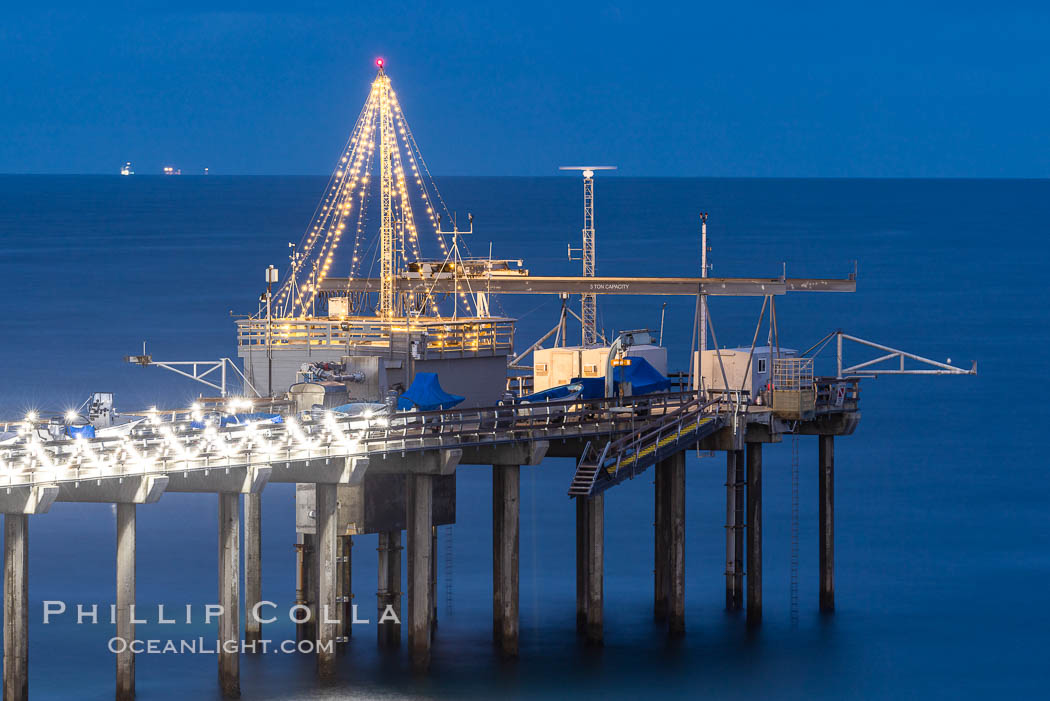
(379, 63)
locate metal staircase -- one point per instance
(655, 440)
(587, 471)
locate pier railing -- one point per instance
(155, 446)
(437, 335)
(836, 395)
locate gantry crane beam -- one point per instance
(528, 284)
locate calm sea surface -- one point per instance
(942, 534)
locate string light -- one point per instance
(347, 194)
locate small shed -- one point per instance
(751, 379)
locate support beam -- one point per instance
(252, 565)
(735, 483)
(125, 600)
(535, 284)
(389, 593)
(16, 606)
(419, 503)
(581, 565)
(661, 522)
(230, 594)
(595, 567)
(754, 534)
(826, 496)
(676, 549)
(506, 513)
(328, 607)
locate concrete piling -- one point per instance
(595, 567)
(230, 593)
(388, 633)
(252, 565)
(16, 607)
(826, 489)
(497, 559)
(754, 534)
(126, 516)
(581, 565)
(735, 519)
(676, 545)
(661, 509)
(419, 503)
(505, 532)
(306, 587)
(741, 527)
(328, 605)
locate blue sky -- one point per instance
(679, 89)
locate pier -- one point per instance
(236, 464)
(371, 415)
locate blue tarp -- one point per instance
(644, 379)
(86, 431)
(426, 394)
(593, 387)
(555, 394)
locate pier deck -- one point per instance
(330, 451)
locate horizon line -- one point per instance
(562, 176)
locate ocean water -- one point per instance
(942, 539)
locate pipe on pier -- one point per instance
(229, 594)
(420, 520)
(328, 607)
(506, 510)
(754, 534)
(346, 588)
(388, 632)
(826, 496)
(676, 546)
(252, 566)
(126, 517)
(16, 607)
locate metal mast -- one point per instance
(703, 274)
(588, 302)
(387, 145)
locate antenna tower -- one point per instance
(588, 302)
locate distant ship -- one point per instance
(126, 169)
(169, 170)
